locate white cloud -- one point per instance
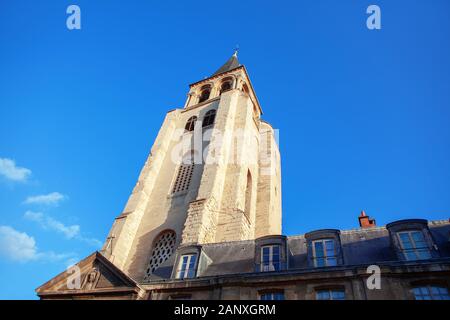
(17, 246)
(48, 199)
(9, 170)
(47, 222)
(34, 216)
(70, 232)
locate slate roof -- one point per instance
(359, 247)
(231, 64)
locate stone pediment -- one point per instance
(93, 277)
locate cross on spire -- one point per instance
(236, 50)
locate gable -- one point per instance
(93, 276)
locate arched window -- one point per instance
(204, 95)
(248, 195)
(190, 124)
(226, 85)
(209, 118)
(163, 248)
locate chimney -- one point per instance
(365, 221)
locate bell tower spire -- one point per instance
(231, 64)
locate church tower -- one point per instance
(213, 175)
(204, 222)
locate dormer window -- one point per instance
(412, 240)
(413, 245)
(324, 253)
(324, 248)
(189, 262)
(190, 124)
(271, 253)
(204, 95)
(187, 266)
(270, 258)
(209, 118)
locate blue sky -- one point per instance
(364, 116)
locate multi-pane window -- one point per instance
(209, 118)
(413, 245)
(184, 178)
(270, 258)
(330, 294)
(431, 293)
(190, 124)
(186, 266)
(272, 296)
(324, 253)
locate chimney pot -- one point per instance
(365, 221)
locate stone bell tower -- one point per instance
(213, 175)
